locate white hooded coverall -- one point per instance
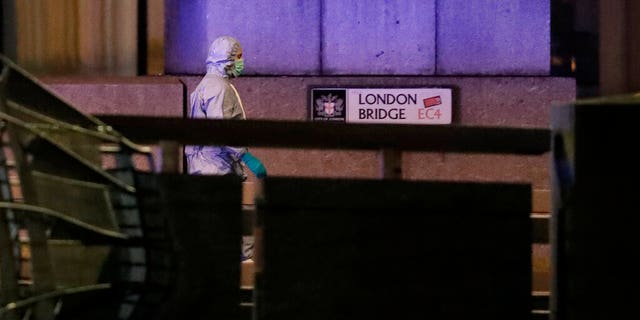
(216, 98)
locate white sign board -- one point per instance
(395, 106)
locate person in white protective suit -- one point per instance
(216, 98)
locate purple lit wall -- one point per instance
(505, 37)
(185, 36)
(374, 37)
(278, 37)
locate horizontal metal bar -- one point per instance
(53, 294)
(56, 124)
(26, 208)
(68, 152)
(332, 135)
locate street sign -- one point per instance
(382, 105)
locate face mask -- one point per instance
(238, 66)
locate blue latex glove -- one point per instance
(254, 165)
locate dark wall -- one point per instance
(7, 29)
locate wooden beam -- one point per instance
(327, 135)
(619, 46)
(8, 28)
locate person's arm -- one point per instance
(232, 107)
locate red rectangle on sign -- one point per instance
(433, 101)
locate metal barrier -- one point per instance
(21, 92)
